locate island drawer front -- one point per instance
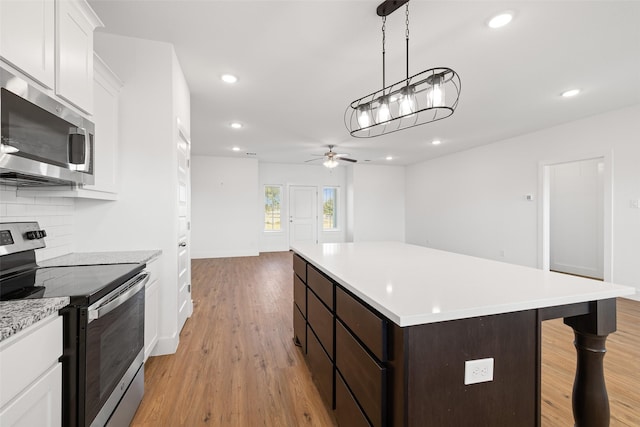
(321, 368)
(300, 267)
(321, 321)
(300, 295)
(365, 376)
(322, 286)
(348, 413)
(370, 328)
(299, 329)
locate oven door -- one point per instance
(114, 348)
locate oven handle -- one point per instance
(129, 289)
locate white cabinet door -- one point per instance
(106, 96)
(74, 52)
(39, 405)
(27, 37)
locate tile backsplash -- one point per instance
(54, 214)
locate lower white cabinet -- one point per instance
(39, 405)
(151, 307)
(31, 386)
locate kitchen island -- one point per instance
(388, 331)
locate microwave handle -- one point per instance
(78, 132)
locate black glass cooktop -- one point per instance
(82, 284)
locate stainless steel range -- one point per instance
(102, 362)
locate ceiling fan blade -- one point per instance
(346, 159)
(341, 154)
(312, 160)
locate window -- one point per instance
(330, 208)
(272, 195)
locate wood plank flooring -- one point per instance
(237, 365)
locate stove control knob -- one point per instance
(36, 234)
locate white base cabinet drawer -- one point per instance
(39, 405)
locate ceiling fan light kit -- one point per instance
(426, 97)
(331, 158)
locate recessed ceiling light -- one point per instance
(570, 93)
(436, 142)
(229, 78)
(500, 20)
(236, 125)
(236, 148)
(389, 158)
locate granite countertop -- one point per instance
(20, 314)
(96, 258)
(414, 285)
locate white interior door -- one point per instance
(185, 304)
(303, 214)
(577, 218)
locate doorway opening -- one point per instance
(575, 205)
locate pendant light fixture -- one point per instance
(425, 97)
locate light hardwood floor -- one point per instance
(237, 365)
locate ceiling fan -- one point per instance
(331, 158)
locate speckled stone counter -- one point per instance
(96, 258)
(20, 314)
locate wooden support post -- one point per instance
(590, 400)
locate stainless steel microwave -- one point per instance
(42, 142)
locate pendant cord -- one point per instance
(384, 21)
(407, 36)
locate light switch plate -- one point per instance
(478, 371)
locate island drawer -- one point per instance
(321, 321)
(299, 329)
(370, 328)
(300, 294)
(300, 267)
(321, 368)
(366, 378)
(322, 286)
(348, 413)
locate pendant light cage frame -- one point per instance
(436, 92)
(426, 97)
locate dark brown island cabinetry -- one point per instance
(373, 372)
(346, 347)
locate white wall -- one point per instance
(312, 175)
(145, 216)
(473, 202)
(54, 214)
(378, 203)
(224, 214)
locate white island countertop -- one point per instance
(413, 285)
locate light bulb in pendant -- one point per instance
(383, 114)
(408, 101)
(436, 92)
(364, 116)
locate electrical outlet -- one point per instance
(635, 203)
(478, 371)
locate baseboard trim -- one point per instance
(166, 345)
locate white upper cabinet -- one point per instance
(106, 96)
(74, 52)
(27, 37)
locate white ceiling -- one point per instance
(300, 63)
